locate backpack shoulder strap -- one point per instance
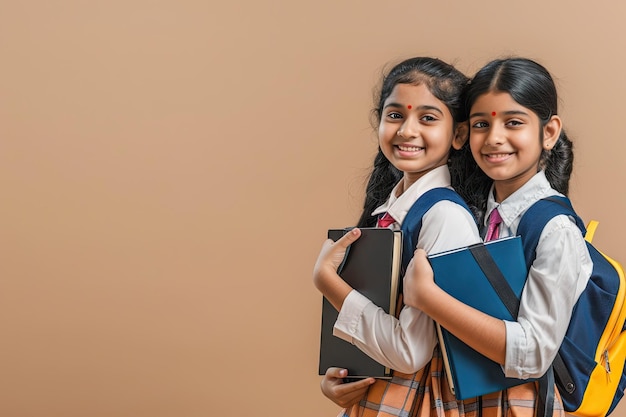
(537, 216)
(412, 223)
(530, 228)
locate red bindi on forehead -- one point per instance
(493, 113)
(409, 107)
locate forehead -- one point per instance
(497, 100)
(416, 96)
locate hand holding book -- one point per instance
(418, 281)
(462, 275)
(325, 276)
(345, 394)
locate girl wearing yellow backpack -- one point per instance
(517, 140)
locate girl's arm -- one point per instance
(485, 334)
(556, 279)
(525, 347)
(325, 276)
(405, 343)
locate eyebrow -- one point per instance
(423, 107)
(508, 113)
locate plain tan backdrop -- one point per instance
(168, 170)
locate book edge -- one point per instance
(444, 356)
(462, 248)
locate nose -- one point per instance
(409, 129)
(495, 135)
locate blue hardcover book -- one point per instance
(469, 373)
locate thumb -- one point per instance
(338, 373)
(349, 238)
(419, 253)
(421, 263)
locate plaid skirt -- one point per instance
(427, 394)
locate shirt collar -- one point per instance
(398, 206)
(517, 203)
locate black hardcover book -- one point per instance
(372, 267)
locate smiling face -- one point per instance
(507, 140)
(416, 131)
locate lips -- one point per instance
(497, 157)
(409, 148)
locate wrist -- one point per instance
(431, 297)
(333, 287)
(326, 280)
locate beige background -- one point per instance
(168, 170)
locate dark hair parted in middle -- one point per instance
(532, 86)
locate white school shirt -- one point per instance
(556, 279)
(406, 343)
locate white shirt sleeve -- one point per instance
(556, 279)
(405, 343)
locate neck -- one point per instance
(504, 188)
(402, 186)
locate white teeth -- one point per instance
(409, 148)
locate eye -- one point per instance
(514, 123)
(394, 115)
(428, 118)
(480, 125)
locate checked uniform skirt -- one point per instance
(427, 394)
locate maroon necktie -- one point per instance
(492, 229)
(385, 220)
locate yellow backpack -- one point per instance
(589, 368)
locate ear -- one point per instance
(461, 134)
(551, 132)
